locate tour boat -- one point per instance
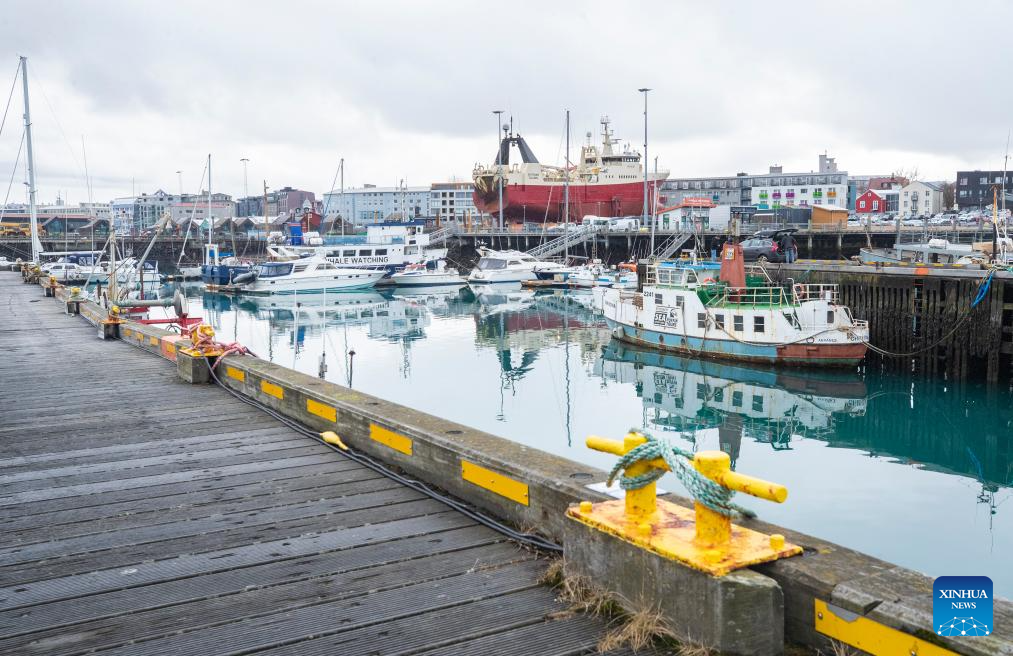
(420, 275)
(388, 246)
(310, 274)
(934, 251)
(712, 310)
(502, 266)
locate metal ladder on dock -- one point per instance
(668, 247)
(442, 234)
(559, 244)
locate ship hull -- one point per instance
(544, 202)
(799, 355)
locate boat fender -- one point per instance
(245, 278)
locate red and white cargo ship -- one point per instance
(603, 182)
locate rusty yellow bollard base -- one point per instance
(671, 533)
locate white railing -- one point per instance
(815, 293)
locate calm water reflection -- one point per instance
(916, 472)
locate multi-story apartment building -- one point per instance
(452, 201)
(975, 188)
(920, 198)
(372, 204)
(828, 186)
(280, 201)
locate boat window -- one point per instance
(757, 401)
(659, 299)
(514, 262)
(326, 265)
(365, 252)
(737, 399)
(299, 268)
(274, 269)
(679, 301)
(701, 320)
(381, 251)
(758, 325)
(490, 263)
(831, 315)
(737, 322)
(347, 253)
(334, 254)
(719, 321)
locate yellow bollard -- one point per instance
(702, 538)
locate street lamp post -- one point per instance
(644, 91)
(499, 161)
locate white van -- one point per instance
(601, 222)
(624, 224)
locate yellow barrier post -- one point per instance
(701, 538)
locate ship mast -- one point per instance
(566, 194)
(32, 212)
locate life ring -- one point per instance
(810, 340)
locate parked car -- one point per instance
(765, 246)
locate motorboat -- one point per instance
(712, 309)
(933, 251)
(64, 271)
(309, 274)
(502, 266)
(421, 275)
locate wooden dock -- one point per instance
(142, 515)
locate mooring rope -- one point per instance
(704, 490)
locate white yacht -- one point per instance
(420, 275)
(502, 266)
(64, 271)
(310, 274)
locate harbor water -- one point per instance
(915, 471)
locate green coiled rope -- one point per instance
(680, 461)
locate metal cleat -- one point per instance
(702, 538)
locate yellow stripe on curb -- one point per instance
(390, 439)
(870, 636)
(238, 374)
(128, 332)
(321, 410)
(272, 390)
(495, 482)
(153, 341)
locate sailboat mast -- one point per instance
(211, 221)
(566, 193)
(342, 196)
(32, 213)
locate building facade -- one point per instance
(975, 188)
(827, 186)
(371, 204)
(452, 201)
(870, 202)
(133, 214)
(280, 201)
(91, 210)
(920, 199)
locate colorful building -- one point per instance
(870, 203)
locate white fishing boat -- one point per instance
(309, 274)
(502, 266)
(420, 275)
(712, 310)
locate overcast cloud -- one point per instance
(405, 89)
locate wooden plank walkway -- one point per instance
(142, 515)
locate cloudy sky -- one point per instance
(404, 90)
